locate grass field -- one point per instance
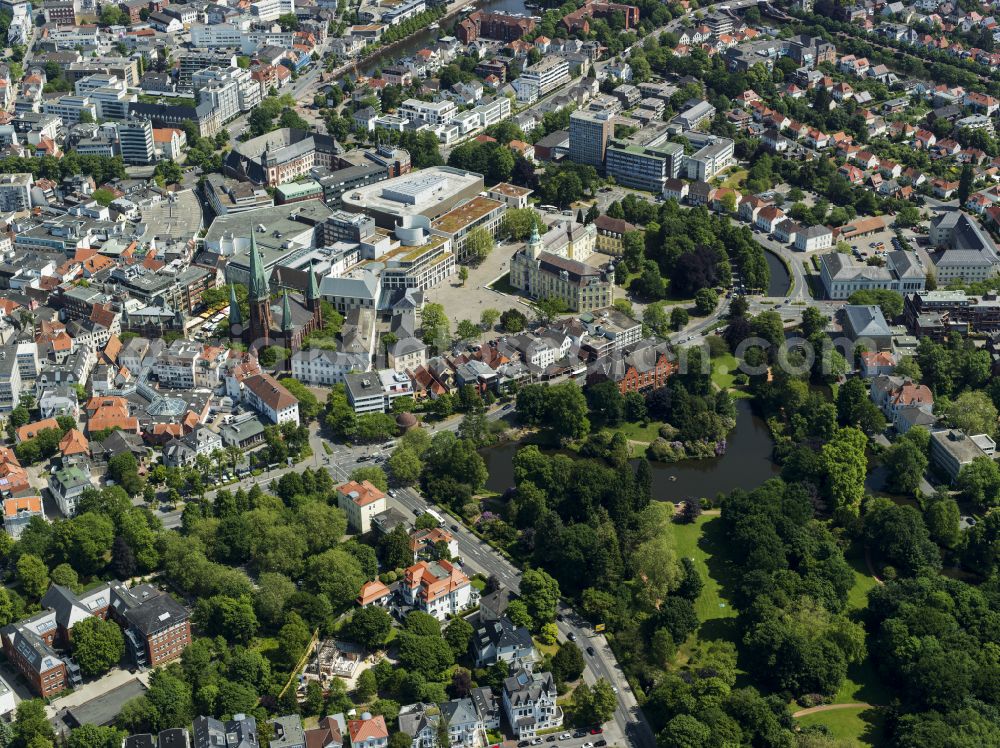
(859, 724)
(703, 542)
(857, 598)
(736, 178)
(637, 432)
(724, 370)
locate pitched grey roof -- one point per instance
(866, 320)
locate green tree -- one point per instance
(488, 318)
(603, 701)
(33, 575)
(434, 323)
(907, 464)
(458, 633)
(845, 463)
(94, 736)
(478, 245)
(369, 626)
(567, 663)
(679, 317)
(965, 183)
(404, 466)
(467, 330)
(394, 548)
(979, 482)
(512, 320)
(98, 645)
(373, 474)
(31, 727)
(972, 412)
(540, 593)
(705, 301)
(367, 686)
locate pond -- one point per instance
(781, 281)
(746, 464)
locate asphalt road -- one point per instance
(630, 726)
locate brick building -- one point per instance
(157, 629)
(504, 27)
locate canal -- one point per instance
(781, 282)
(746, 464)
(427, 37)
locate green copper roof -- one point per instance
(312, 290)
(258, 280)
(235, 316)
(286, 314)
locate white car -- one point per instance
(565, 736)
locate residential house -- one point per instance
(529, 700)
(439, 588)
(360, 502)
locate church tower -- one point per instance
(312, 291)
(260, 299)
(235, 315)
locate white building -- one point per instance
(230, 90)
(842, 274)
(15, 192)
(529, 699)
(360, 502)
(711, 160)
(67, 486)
(271, 10)
(813, 238)
(968, 253)
(318, 366)
(438, 588)
(538, 80)
(267, 396)
(431, 112)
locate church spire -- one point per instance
(258, 280)
(235, 316)
(312, 290)
(286, 314)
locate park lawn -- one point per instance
(857, 597)
(862, 684)
(636, 432)
(702, 541)
(724, 370)
(861, 724)
(736, 178)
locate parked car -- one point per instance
(550, 739)
(565, 736)
(596, 730)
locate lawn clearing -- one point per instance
(636, 432)
(857, 597)
(861, 724)
(862, 684)
(702, 541)
(724, 370)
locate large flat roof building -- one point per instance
(430, 193)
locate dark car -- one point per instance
(559, 616)
(601, 743)
(590, 651)
(550, 739)
(571, 636)
(455, 528)
(580, 734)
(523, 744)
